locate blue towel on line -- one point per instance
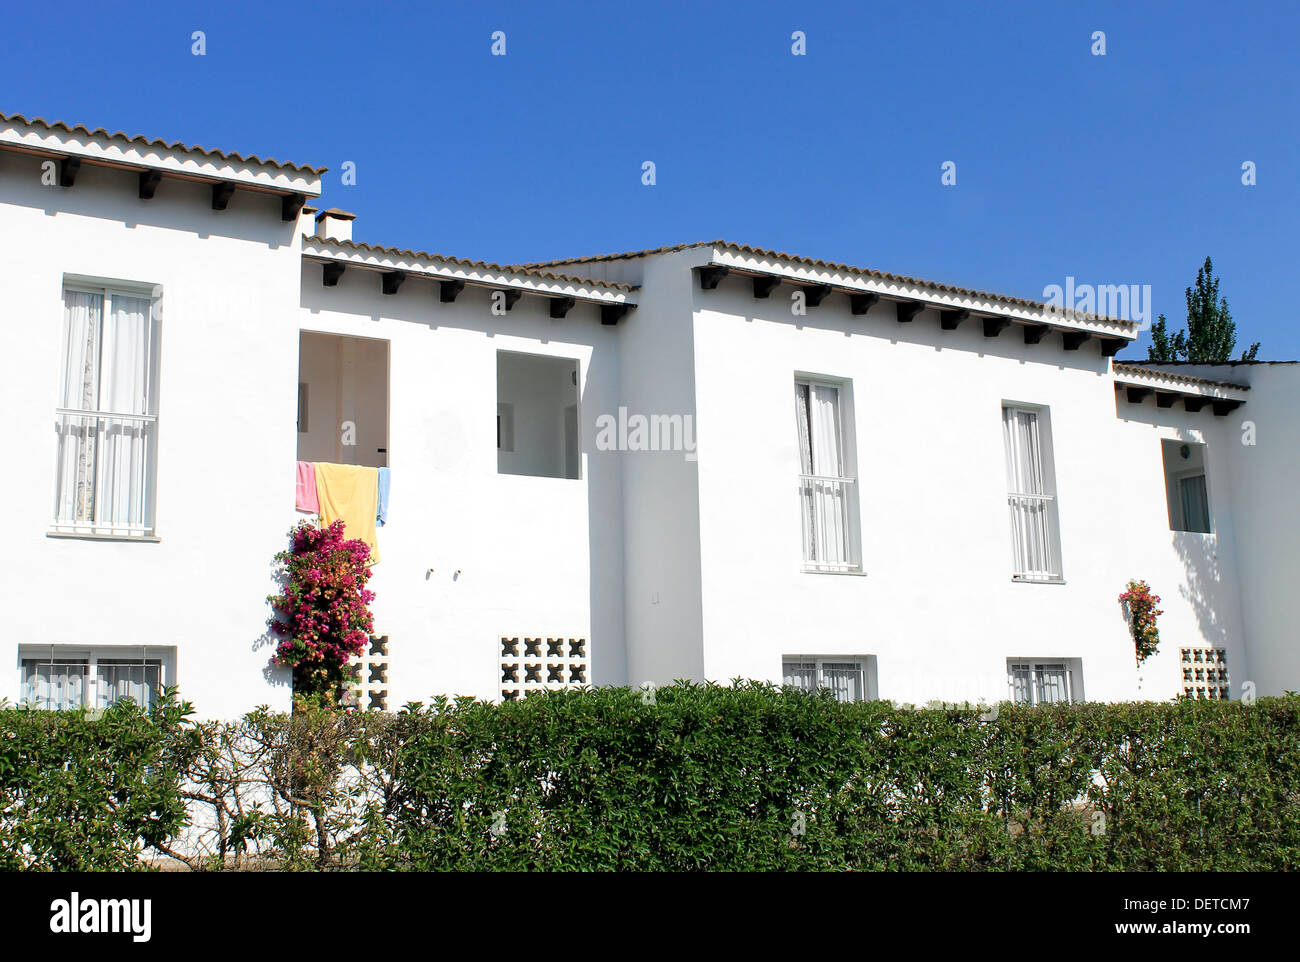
(382, 516)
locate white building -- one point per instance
(896, 488)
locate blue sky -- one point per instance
(1118, 169)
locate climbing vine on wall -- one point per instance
(324, 617)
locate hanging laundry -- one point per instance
(350, 492)
(305, 490)
(382, 517)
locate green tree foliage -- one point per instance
(1211, 334)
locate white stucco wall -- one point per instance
(670, 566)
(225, 418)
(937, 605)
(1262, 482)
(510, 555)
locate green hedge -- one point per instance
(82, 791)
(747, 777)
(723, 778)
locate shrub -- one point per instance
(742, 778)
(80, 791)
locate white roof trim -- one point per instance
(120, 152)
(1179, 384)
(316, 249)
(944, 300)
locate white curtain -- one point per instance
(1021, 693)
(1196, 504)
(844, 679)
(1051, 684)
(56, 684)
(800, 674)
(75, 470)
(124, 678)
(1032, 519)
(824, 503)
(124, 389)
(1024, 457)
(104, 459)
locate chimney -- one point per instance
(307, 220)
(335, 224)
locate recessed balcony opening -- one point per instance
(1185, 487)
(342, 399)
(537, 416)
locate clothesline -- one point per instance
(354, 493)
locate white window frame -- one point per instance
(1049, 498)
(1036, 668)
(163, 659)
(847, 481)
(98, 527)
(865, 667)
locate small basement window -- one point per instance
(537, 416)
(848, 677)
(1185, 486)
(64, 677)
(1044, 681)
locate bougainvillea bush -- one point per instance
(323, 614)
(1142, 618)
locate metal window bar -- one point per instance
(846, 679)
(825, 507)
(63, 683)
(119, 678)
(1034, 683)
(55, 684)
(104, 466)
(1033, 541)
(104, 472)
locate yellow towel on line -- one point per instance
(350, 492)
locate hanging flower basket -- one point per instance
(1141, 612)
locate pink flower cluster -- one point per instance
(1142, 618)
(324, 617)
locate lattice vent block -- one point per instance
(371, 686)
(1205, 673)
(542, 664)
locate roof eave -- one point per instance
(122, 153)
(903, 289)
(366, 257)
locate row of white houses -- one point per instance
(707, 461)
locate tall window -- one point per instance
(60, 677)
(827, 489)
(1042, 682)
(1031, 495)
(848, 678)
(106, 422)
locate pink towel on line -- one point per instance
(305, 494)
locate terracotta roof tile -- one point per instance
(148, 142)
(516, 268)
(1123, 368)
(812, 262)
